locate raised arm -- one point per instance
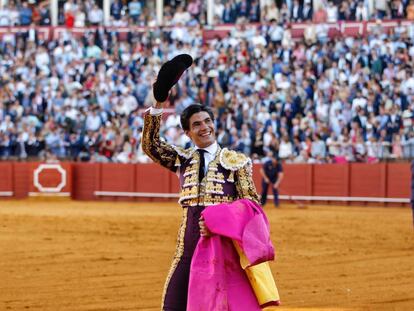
(158, 150)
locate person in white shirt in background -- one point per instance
(332, 12)
(361, 12)
(95, 16)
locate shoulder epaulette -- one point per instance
(232, 160)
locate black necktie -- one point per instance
(202, 164)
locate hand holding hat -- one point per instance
(169, 75)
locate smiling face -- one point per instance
(201, 131)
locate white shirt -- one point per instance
(5, 17)
(209, 155)
(93, 122)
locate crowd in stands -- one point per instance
(313, 100)
(76, 13)
(24, 13)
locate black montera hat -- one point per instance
(169, 74)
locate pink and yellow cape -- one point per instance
(230, 269)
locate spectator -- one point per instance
(381, 7)
(318, 148)
(254, 12)
(332, 13)
(135, 10)
(410, 10)
(320, 15)
(95, 15)
(25, 14)
(5, 19)
(116, 9)
(272, 174)
(344, 12)
(229, 12)
(181, 16)
(307, 11)
(285, 148)
(270, 12)
(296, 12)
(397, 149)
(194, 8)
(79, 18)
(310, 34)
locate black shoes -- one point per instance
(169, 74)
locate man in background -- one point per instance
(272, 173)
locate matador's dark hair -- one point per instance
(189, 111)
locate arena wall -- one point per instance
(355, 183)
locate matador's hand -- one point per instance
(203, 228)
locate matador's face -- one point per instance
(201, 131)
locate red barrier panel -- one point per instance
(368, 180)
(257, 177)
(297, 180)
(398, 180)
(331, 180)
(152, 178)
(115, 177)
(6, 177)
(21, 180)
(85, 180)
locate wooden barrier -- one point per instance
(355, 183)
(86, 180)
(6, 180)
(20, 180)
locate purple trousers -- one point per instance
(176, 295)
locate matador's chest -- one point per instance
(218, 185)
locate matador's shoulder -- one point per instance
(233, 160)
(186, 153)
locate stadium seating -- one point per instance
(309, 92)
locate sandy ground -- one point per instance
(115, 256)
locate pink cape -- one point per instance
(217, 280)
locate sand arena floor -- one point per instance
(115, 256)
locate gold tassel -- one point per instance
(177, 162)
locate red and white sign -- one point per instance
(51, 179)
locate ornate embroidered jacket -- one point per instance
(228, 177)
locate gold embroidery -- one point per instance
(232, 160)
(188, 192)
(211, 200)
(231, 177)
(190, 180)
(185, 153)
(211, 187)
(245, 185)
(178, 253)
(159, 151)
(215, 176)
(190, 188)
